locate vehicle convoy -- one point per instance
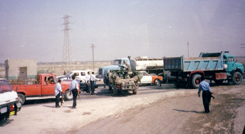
(9, 102)
(39, 87)
(124, 80)
(219, 66)
(150, 65)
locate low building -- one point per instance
(20, 68)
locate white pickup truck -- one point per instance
(9, 102)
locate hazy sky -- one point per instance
(32, 29)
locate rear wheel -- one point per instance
(135, 91)
(237, 78)
(68, 95)
(115, 91)
(22, 98)
(195, 80)
(157, 82)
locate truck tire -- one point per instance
(115, 91)
(68, 96)
(237, 78)
(157, 82)
(135, 91)
(22, 98)
(110, 88)
(194, 83)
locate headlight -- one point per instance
(225, 66)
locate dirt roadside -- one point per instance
(180, 114)
(175, 111)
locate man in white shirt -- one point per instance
(75, 90)
(58, 90)
(87, 79)
(92, 80)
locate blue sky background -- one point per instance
(32, 29)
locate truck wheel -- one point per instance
(68, 96)
(22, 98)
(237, 78)
(115, 91)
(135, 91)
(110, 88)
(218, 82)
(157, 82)
(194, 83)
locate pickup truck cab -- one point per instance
(9, 102)
(40, 87)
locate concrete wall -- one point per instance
(16, 68)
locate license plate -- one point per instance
(12, 113)
(4, 110)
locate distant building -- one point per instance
(20, 68)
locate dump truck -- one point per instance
(217, 67)
(120, 80)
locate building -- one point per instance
(20, 68)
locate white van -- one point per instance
(9, 102)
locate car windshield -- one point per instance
(69, 74)
(4, 86)
(117, 62)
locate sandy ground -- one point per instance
(175, 111)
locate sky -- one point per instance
(33, 29)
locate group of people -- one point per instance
(74, 89)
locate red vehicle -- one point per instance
(40, 87)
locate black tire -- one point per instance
(237, 78)
(110, 88)
(135, 91)
(194, 82)
(115, 91)
(22, 98)
(68, 96)
(218, 82)
(157, 82)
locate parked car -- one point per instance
(9, 102)
(81, 74)
(150, 79)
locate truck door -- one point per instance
(48, 88)
(230, 63)
(146, 78)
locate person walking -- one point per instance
(58, 91)
(206, 94)
(75, 90)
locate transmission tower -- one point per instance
(67, 56)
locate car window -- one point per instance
(83, 73)
(4, 86)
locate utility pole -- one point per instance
(92, 45)
(67, 56)
(188, 48)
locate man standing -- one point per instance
(75, 90)
(87, 79)
(206, 94)
(92, 80)
(57, 90)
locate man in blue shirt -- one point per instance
(206, 94)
